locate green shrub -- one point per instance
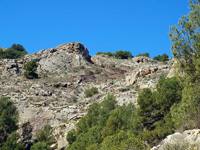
(45, 139)
(121, 141)
(123, 54)
(8, 119)
(45, 135)
(14, 52)
(30, 69)
(12, 143)
(110, 54)
(91, 92)
(106, 126)
(162, 58)
(71, 136)
(154, 117)
(39, 146)
(145, 54)
(118, 54)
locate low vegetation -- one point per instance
(162, 58)
(14, 52)
(145, 54)
(44, 138)
(118, 54)
(91, 92)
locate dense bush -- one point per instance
(118, 54)
(30, 69)
(8, 126)
(12, 143)
(39, 146)
(162, 58)
(185, 48)
(145, 54)
(91, 92)
(44, 138)
(106, 53)
(106, 125)
(153, 114)
(8, 119)
(123, 54)
(14, 52)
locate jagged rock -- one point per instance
(143, 59)
(147, 75)
(9, 67)
(64, 57)
(185, 140)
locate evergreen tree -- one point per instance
(30, 69)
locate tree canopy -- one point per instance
(14, 52)
(8, 126)
(185, 39)
(30, 70)
(118, 54)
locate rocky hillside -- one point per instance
(57, 98)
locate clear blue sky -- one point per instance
(137, 26)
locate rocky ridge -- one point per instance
(66, 71)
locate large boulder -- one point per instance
(63, 57)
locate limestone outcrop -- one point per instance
(186, 140)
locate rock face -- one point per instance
(146, 72)
(143, 59)
(186, 140)
(66, 71)
(63, 57)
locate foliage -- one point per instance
(121, 118)
(45, 137)
(106, 53)
(71, 136)
(91, 92)
(154, 112)
(123, 54)
(39, 146)
(186, 114)
(14, 52)
(103, 120)
(186, 39)
(121, 141)
(145, 54)
(162, 58)
(118, 54)
(186, 50)
(30, 70)
(12, 143)
(8, 119)
(109, 102)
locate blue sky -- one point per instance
(137, 26)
